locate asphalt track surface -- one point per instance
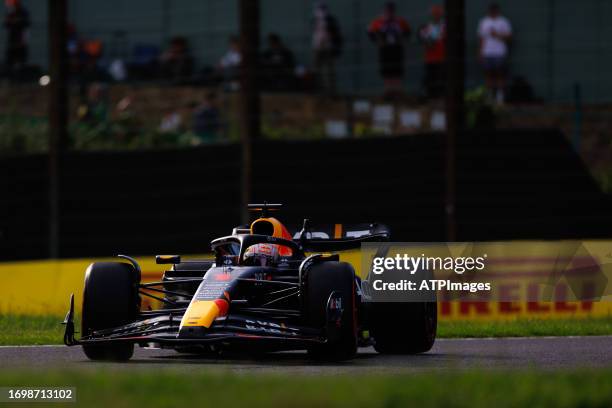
(549, 353)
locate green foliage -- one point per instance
(480, 113)
(23, 135)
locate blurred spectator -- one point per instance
(389, 33)
(118, 70)
(495, 33)
(229, 64)
(327, 46)
(277, 66)
(127, 126)
(83, 57)
(176, 61)
(206, 118)
(433, 36)
(117, 56)
(90, 54)
(16, 23)
(93, 110)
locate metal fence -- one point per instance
(557, 43)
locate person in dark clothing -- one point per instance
(16, 23)
(389, 32)
(327, 46)
(278, 66)
(177, 61)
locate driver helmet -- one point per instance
(262, 255)
(268, 254)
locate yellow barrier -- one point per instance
(43, 287)
(454, 310)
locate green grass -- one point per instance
(165, 388)
(102, 386)
(31, 330)
(527, 327)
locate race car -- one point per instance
(265, 290)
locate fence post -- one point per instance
(250, 102)
(58, 113)
(455, 113)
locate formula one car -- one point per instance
(260, 293)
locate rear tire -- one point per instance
(403, 328)
(321, 281)
(110, 299)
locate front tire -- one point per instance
(321, 281)
(110, 299)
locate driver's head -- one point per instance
(273, 228)
(262, 255)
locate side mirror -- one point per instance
(167, 259)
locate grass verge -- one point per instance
(467, 389)
(32, 330)
(595, 326)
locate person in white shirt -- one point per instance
(495, 33)
(232, 57)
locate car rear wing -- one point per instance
(339, 237)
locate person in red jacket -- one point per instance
(433, 36)
(389, 32)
